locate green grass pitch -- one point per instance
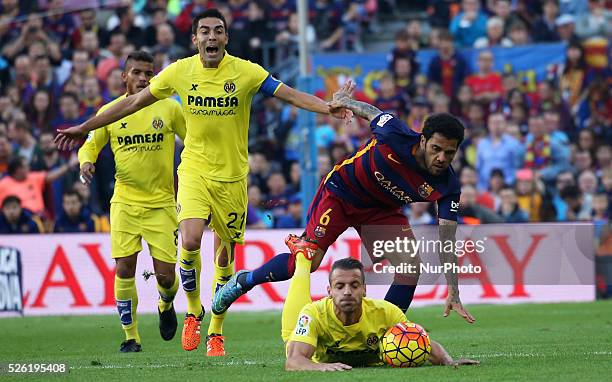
(570, 342)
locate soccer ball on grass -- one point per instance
(405, 345)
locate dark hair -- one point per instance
(581, 64)
(11, 199)
(570, 192)
(213, 12)
(138, 55)
(496, 172)
(347, 264)
(72, 192)
(14, 164)
(446, 35)
(445, 124)
(70, 95)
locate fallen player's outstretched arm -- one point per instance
(439, 356)
(299, 356)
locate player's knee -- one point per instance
(165, 280)
(223, 253)
(126, 267)
(191, 242)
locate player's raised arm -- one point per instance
(67, 138)
(447, 230)
(299, 356)
(309, 102)
(342, 100)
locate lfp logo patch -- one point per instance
(303, 325)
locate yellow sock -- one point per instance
(222, 276)
(190, 268)
(166, 295)
(127, 302)
(297, 296)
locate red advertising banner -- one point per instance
(74, 274)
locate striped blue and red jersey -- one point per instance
(384, 173)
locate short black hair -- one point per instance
(11, 199)
(213, 12)
(445, 124)
(138, 55)
(70, 95)
(14, 164)
(72, 192)
(347, 264)
(570, 192)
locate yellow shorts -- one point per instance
(223, 204)
(157, 226)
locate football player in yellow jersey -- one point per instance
(216, 90)
(343, 330)
(143, 205)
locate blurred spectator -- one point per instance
(59, 23)
(596, 22)
(293, 217)
(440, 12)
(402, 48)
(503, 10)
(259, 171)
(259, 216)
(389, 100)
(17, 220)
(41, 77)
(566, 27)
(87, 24)
(324, 165)
(327, 23)
(418, 214)
(498, 150)
(325, 133)
(448, 68)
(469, 24)
(24, 143)
(128, 28)
(440, 104)
(472, 213)
(290, 37)
(404, 72)
(468, 177)
(32, 32)
(278, 12)
(29, 185)
(495, 35)
(295, 173)
(529, 197)
(519, 34)
(486, 85)
(40, 111)
(114, 86)
(419, 110)
(69, 114)
(544, 29)
(554, 107)
(277, 193)
(604, 159)
(595, 111)
(476, 116)
(564, 179)
(573, 198)
(544, 154)
(165, 42)
(583, 161)
(47, 158)
(113, 54)
(572, 74)
(552, 122)
(159, 16)
(92, 99)
(509, 209)
(416, 35)
(586, 141)
(183, 20)
(5, 154)
(74, 218)
(260, 31)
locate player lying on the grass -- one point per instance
(343, 330)
(143, 204)
(397, 166)
(216, 90)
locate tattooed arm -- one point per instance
(447, 230)
(342, 100)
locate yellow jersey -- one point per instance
(355, 345)
(217, 106)
(143, 146)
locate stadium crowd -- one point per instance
(533, 153)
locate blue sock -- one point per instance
(400, 295)
(276, 269)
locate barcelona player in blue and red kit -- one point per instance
(397, 166)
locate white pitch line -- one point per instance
(155, 366)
